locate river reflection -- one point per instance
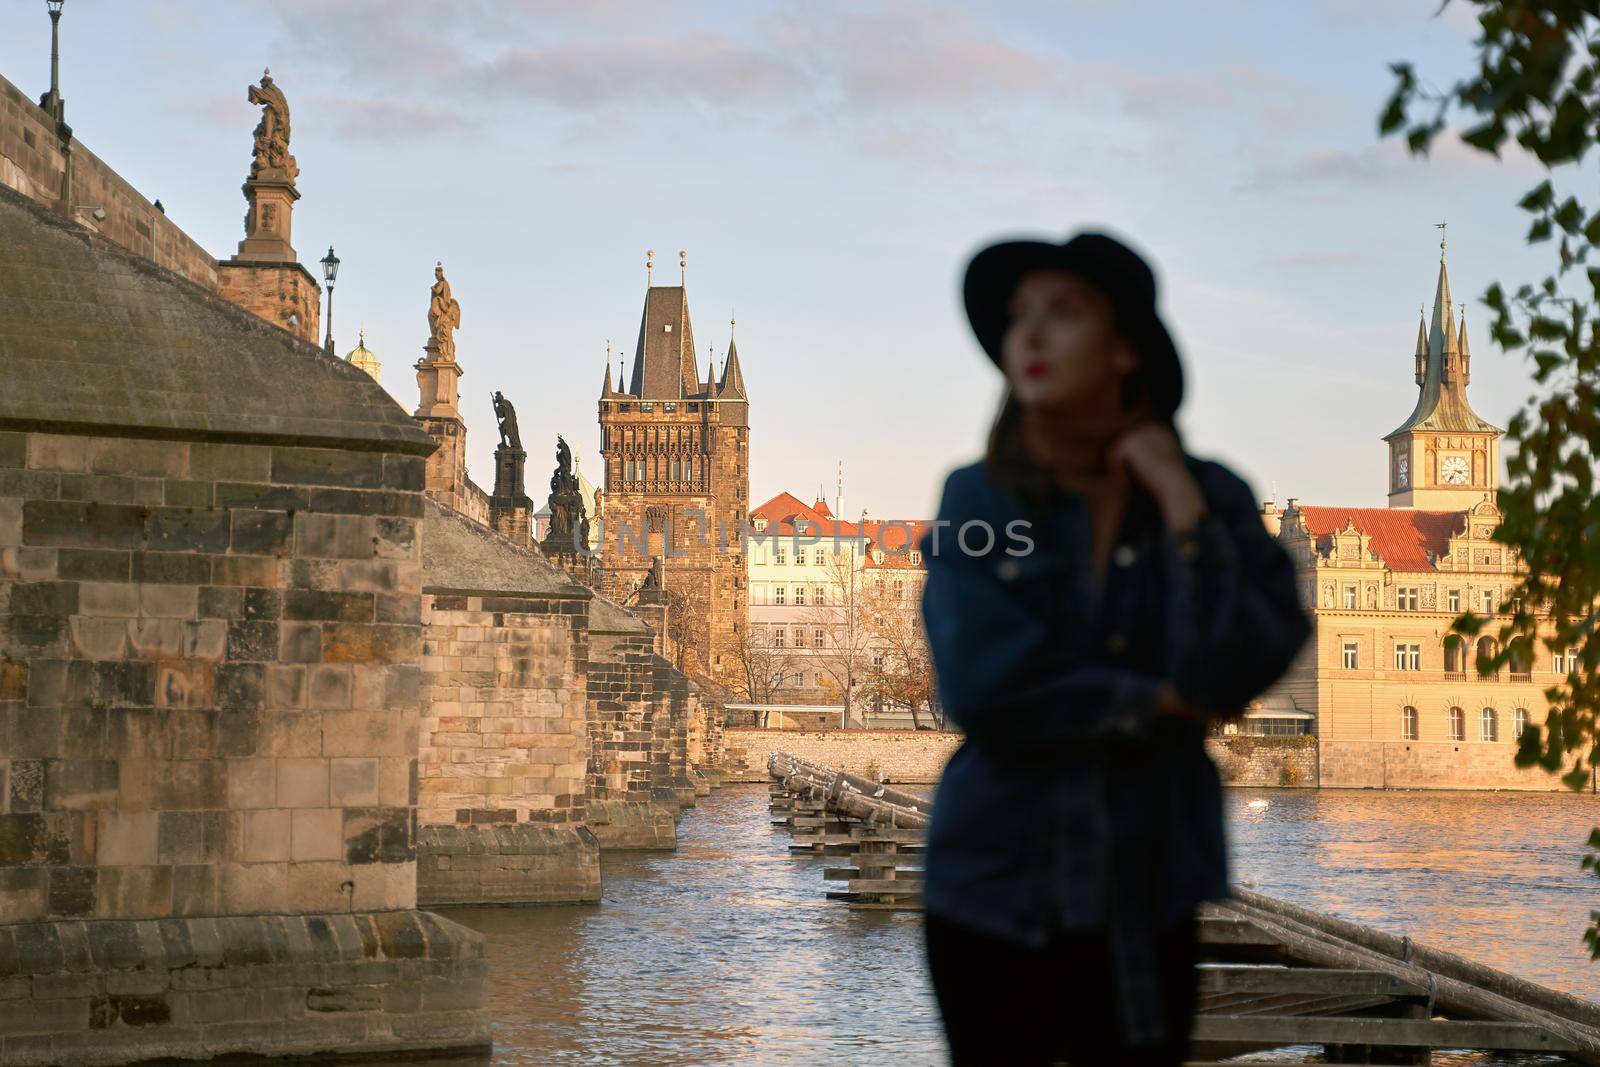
(726, 951)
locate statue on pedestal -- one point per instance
(272, 133)
(509, 437)
(569, 526)
(444, 316)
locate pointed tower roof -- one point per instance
(664, 365)
(606, 390)
(732, 386)
(1442, 399)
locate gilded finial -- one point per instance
(730, 324)
(683, 266)
(1440, 226)
(649, 264)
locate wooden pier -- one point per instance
(1272, 974)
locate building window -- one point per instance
(1455, 656)
(899, 589)
(1519, 723)
(816, 638)
(816, 680)
(1407, 597)
(877, 659)
(799, 596)
(1488, 725)
(778, 556)
(1349, 655)
(1458, 724)
(778, 594)
(817, 557)
(1564, 663)
(1488, 601)
(1408, 723)
(647, 406)
(778, 639)
(1455, 600)
(1349, 597)
(818, 595)
(1408, 657)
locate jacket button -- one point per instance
(1124, 555)
(1008, 570)
(1117, 644)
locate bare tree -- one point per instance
(900, 669)
(841, 615)
(761, 667)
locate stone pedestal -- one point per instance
(510, 510)
(271, 195)
(438, 379)
(265, 276)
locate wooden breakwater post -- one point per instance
(878, 830)
(1272, 975)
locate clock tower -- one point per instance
(1444, 457)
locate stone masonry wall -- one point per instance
(276, 292)
(504, 710)
(639, 723)
(1427, 765)
(31, 162)
(208, 678)
(1265, 761)
(900, 755)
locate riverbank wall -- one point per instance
(919, 756)
(911, 756)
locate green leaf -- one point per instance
(1539, 197)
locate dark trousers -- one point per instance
(1003, 1003)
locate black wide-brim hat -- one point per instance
(1108, 265)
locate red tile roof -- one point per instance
(1404, 538)
(783, 510)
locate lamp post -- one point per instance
(330, 272)
(52, 99)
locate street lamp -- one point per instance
(330, 272)
(52, 100)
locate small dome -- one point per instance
(363, 357)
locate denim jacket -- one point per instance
(1072, 804)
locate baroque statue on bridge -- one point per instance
(271, 150)
(569, 526)
(509, 436)
(444, 316)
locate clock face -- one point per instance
(1403, 471)
(1454, 470)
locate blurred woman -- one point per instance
(1096, 597)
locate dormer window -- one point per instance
(647, 406)
(669, 406)
(877, 555)
(916, 558)
(667, 328)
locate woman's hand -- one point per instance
(1168, 702)
(1150, 454)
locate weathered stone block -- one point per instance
(266, 835)
(317, 834)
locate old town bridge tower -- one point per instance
(676, 452)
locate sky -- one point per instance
(829, 168)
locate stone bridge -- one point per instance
(268, 683)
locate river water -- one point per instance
(727, 951)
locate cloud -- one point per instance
(707, 67)
(386, 121)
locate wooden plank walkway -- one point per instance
(1272, 974)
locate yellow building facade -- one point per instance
(1395, 699)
